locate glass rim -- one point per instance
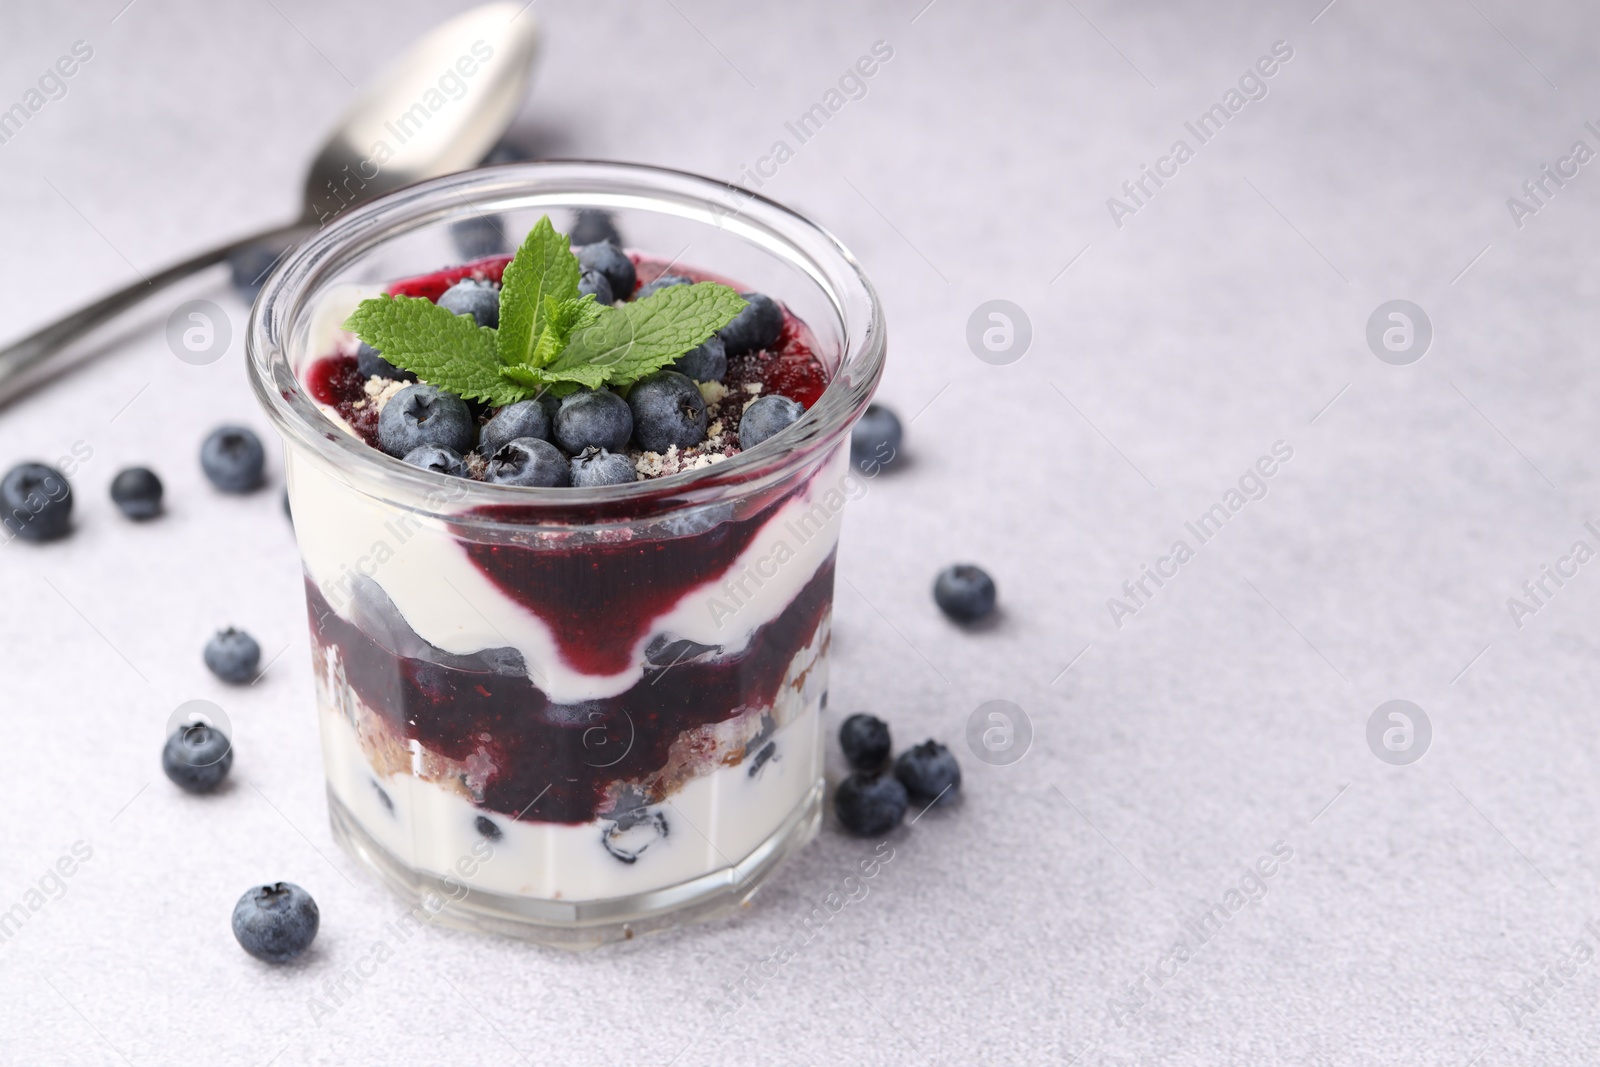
(567, 185)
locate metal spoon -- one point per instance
(435, 110)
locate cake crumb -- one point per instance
(381, 390)
(712, 392)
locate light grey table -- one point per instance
(1431, 913)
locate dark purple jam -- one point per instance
(554, 762)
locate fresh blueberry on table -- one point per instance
(275, 923)
(36, 502)
(870, 804)
(666, 281)
(525, 418)
(613, 262)
(875, 439)
(249, 266)
(594, 226)
(438, 459)
(594, 467)
(865, 740)
(197, 757)
(423, 414)
(708, 363)
(758, 326)
(767, 416)
(233, 459)
(964, 592)
(481, 300)
(371, 364)
(667, 410)
(929, 772)
(595, 418)
(506, 151)
(592, 282)
(233, 656)
(529, 461)
(137, 492)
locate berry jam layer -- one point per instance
(490, 732)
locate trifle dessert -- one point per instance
(568, 520)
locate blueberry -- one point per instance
(197, 757)
(275, 923)
(595, 283)
(479, 236)
(249, 266)
(964, 592)
(666, 281)
(425, 415)
(481, 300)
(767, 416)
(594, 467)
(593, 419)
(525, 418)
(865, 740)
(437, 459)
(487, 828)
(36, 502)
(667, 410)
(875, 439)
(233, 655)
(708, 363)
(233, 459)
(766, 752)
(137, 491)
(611, 261)
(371, 364)
(593, 226)
(506, 152)
(758, 326)
(929, 772)
(870, 804)
(633, 831)
(528, 461)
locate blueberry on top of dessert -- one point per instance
(585, 366)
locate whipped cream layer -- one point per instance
(421, 564)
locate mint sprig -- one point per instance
(436, 345)
(550, 339)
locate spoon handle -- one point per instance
(44, 354)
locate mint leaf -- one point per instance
(543, 267)
(437, 345)
(629, 341)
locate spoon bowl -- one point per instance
(439, 108)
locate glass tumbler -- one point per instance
(570, 715)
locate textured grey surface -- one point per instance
(1225, 717)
